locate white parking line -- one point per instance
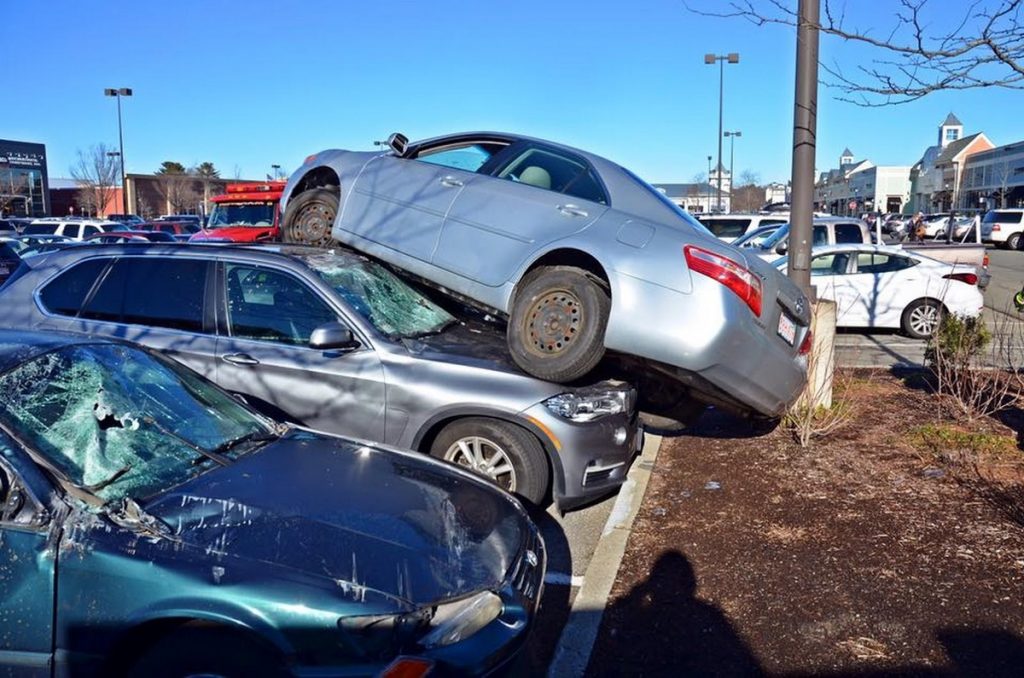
(580, 632)
(562, 579)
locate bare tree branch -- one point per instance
(982, 46)
(96, 172)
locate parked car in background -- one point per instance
(338, 343)
(130, 236)
(29, 245)
(71, 227)
(180, 230)
(130, 220)
(729, 227)
(190, 218)
(12, 225)
(879, 286)
(153, 525)
(825, 231)
(1004, 227)
(579, 253)
(756, 238)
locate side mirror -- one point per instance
(332, 335)
(399, 143)
(782, 247)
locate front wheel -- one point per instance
(205, 650)
(921, 318)
(507, 455)
(310, 216)
(557, 322)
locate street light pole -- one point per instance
(710, 59)
(117, 93)
(732, 177)
(709, 183)
(276, 168)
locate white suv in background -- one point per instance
(74, 228)
(1004, 227)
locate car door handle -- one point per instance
(572, 211)
(450, 181)
(240, 359)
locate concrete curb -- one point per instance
(580, 632)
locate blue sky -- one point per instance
(249, 84)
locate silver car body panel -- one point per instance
(659, 310)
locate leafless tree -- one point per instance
(1002, 173)
(179, 187)
(747, 194)
(96, 172)
(922, 46)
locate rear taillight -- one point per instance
(984, 262)
(969, 278)
(995, 227)
(733, 275)
(805, 345)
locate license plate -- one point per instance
(787, 329)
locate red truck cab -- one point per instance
(245, 213)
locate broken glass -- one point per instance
(118, 421)
(395, 308)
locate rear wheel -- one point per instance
(557, 322)
(507, 455)
(1013, 242)
(310, 217)
(921, 318)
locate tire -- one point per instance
(921, 318)
(479, 444)
(1013, 242)
(557, 322)
(207, 650)
(310, 217)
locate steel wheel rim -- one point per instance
(484, 457)
(924, 319)
(313, 224)
(553, 322)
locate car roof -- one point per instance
(17, 346)
(862, 247)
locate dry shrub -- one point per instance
(977, 372)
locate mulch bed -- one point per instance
(875, 551)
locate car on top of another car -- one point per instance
(578, 253)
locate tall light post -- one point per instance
(117, 93)
(732, 177)
(277, 170)
(711, 59)
(709, 183)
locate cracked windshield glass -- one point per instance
(392, 306)
(119, 422)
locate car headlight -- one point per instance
(453, 622)
(588, 404)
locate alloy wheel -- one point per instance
(925, 319)
(484, 457)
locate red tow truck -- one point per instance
(248, 212)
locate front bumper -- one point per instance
(587, 458)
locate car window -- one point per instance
(1004, 217)
(848, 233)
(90, 230)
(269, 305)
(40, 229)
(67, 292)
(469, 157)
(554, 172)
(873, 262)
(829, 264)
(819, 235)
(150, 291)
(726, 228)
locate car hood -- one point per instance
(367, 521)
(469, 343)
(234, 233)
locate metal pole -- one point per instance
(805, 129)
(732, 158)
(709, 183)
(721, 88)
(120, 138)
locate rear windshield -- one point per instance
(1004, 217)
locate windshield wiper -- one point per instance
(253, 437)
(209, 454)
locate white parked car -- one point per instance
(880, 286)
(74, 228)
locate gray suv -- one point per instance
(336, 342)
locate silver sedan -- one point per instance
(580, 255)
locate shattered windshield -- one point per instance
(118, 421)
(242, 214)
(379, 296)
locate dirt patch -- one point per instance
(892, 547)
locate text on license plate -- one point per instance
(787, 329)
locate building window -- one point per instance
(952, 134)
